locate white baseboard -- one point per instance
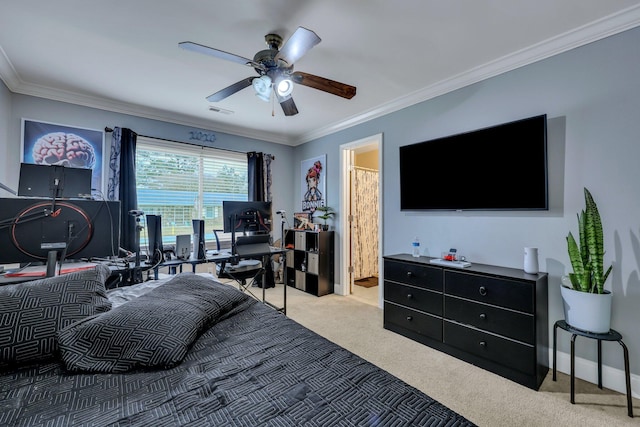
(339, 289)
(612, 378)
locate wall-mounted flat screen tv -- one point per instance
(502, 167)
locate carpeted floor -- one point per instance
(482, 397)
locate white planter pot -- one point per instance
(586, 311)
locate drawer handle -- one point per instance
(483, 344)
(483, 316)
(483, 291)
(409, 318)
(409, 296)
(409, 273)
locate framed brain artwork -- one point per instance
(46, 143)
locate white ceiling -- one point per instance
(123, 55)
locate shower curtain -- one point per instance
(364, 208)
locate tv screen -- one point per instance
(54, 181)
(79, 229)
(502, 167)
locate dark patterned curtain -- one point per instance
(259, 177)
(122, 184)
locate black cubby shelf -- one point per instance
(310, 261)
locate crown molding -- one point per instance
(145, 112)
(602, 28)
(7, 73)
(597, 30)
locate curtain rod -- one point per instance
(264, 154)
(108, 129)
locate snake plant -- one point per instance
(587, 259)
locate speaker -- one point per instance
(199, 248)
(154, 230)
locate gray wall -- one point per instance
(5, 118)
(58, 112)
(591, 96)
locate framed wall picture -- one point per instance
(46, 143)
(313, 176)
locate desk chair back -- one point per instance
(256, 245)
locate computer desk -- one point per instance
(176, 264)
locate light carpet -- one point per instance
(482, 397)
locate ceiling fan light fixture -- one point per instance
(275, 70)
(262, 86)
(284, 87)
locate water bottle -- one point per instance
(416, 247)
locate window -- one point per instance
(182, 182)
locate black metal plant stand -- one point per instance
(608, 336)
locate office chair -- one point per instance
(242, 268)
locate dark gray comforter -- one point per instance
(254, 367)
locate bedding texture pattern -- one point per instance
(154, 330)
(253, 367)
(31, 313)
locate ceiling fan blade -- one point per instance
(195, 47)
(230, 90)
(287, 104)
(326, 85)
(298, 44)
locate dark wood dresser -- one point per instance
(493, 317)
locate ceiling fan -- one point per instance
(275, 69)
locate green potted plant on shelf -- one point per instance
(587, 305)
(327, 213)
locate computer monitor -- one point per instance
(76, 229)
(54, 181)
(244, 217)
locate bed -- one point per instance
(184, 351)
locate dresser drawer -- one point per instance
(413, 320)
(502, 351)
(501, 292)
(512, 324)
(412, 274)
(413, 297)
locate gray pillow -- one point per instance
(31, 313)
(154, 330)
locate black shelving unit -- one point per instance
(310, 261)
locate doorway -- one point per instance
(361, 224)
